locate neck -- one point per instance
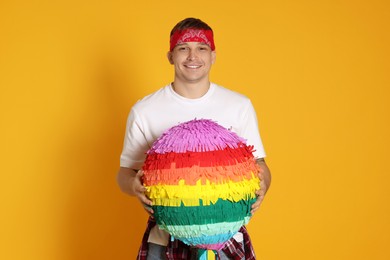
(191, 90)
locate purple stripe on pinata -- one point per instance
(198, 135)
(217, 247)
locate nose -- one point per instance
(191, 55)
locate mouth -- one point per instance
(193, 66)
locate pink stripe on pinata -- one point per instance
(217, 247)
(196, 136)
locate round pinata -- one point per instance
(201, 178)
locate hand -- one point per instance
(260, 194)
(138, 190)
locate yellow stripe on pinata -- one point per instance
(189, 195)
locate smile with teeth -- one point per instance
(193, 66)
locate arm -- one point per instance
(265, 183)
(265, 173)
(130, 183)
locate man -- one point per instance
(191, 95)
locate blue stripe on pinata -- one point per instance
(201, 240)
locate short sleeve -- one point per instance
(250, 131)
(135, 145)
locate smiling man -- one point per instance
(192, 53)
(191, 95)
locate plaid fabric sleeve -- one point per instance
(234, 250)
(249, 250)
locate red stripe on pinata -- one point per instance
(227, 156)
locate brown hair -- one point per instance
(190, 23)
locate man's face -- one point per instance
(192, 61)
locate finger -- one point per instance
(140, 188)
(148, 208)
(255, 207)
(144, 200)
(140, 173)
(260, 192)
(254, 210)
(149, 211)
(258, 202)
(150, 215)
(260, 199)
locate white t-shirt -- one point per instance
(163, 109)
(156, 113)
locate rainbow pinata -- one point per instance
(202, 180)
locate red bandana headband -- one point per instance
(193, 35)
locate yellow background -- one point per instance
(318, 75)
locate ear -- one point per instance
(169, 56)
(213, 57)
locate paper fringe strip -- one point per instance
(174, 195)
(196, 136)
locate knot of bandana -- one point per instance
(192, 35)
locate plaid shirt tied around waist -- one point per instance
(178, 250)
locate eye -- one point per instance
(182, 48)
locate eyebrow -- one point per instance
(198, 43)
(186, 43)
